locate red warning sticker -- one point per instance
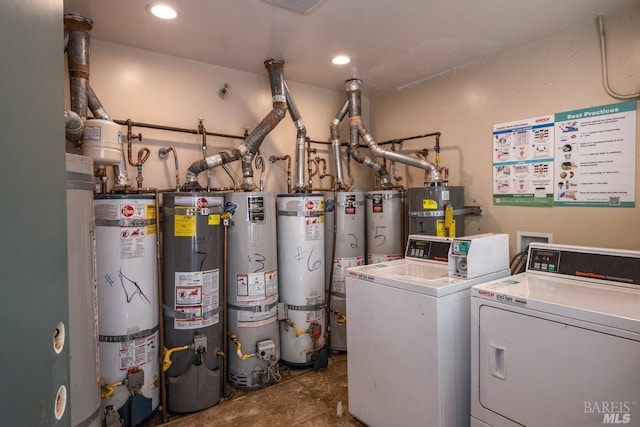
(310, 205)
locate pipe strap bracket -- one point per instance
(300, 213)
(440, 213)
(254, 308)
(129, 337)
(312, 307)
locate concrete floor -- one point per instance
(302, 398)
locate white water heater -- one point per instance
(300, 220)
(84, 386)
(345, 214)
(252, 307)
(126, 255)
(384, 218)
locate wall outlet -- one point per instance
(526, 237)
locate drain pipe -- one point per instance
(353, 88)
(301, 137)
(251, 143)
(335, 144)
(98, 111)
(355, 123)
(77, 30)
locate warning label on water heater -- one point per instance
(313, 227)
(197, 299)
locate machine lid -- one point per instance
(614, 306)
(425, 277)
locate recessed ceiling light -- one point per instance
(341, 60)
(163, 11)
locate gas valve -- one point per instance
(315, 330)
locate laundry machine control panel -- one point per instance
(422, 247)
(618, 267)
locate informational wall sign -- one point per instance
(576, 158)
(523, 153)
(595, 156)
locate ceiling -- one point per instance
(393, 43)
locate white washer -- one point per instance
(408, 329)
(558, 345)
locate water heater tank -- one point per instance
(254, 333)
(427, 211)
(385, 219)
(301, 258)
(193, 244)
(126, 255)
(345, 220)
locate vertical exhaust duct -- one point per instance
(251, 144)
(355, 127)
(301, 137)
(335, 144)
(358, 130)
(77, 30)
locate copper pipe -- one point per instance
(286, 157)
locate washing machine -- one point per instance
(408, 330)
(558, 345)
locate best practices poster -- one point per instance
(595, 156)
(582, 157)
(523, 154)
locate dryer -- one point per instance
(408, 330)
(558, 345)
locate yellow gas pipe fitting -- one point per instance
(166, 363)
(238, 344)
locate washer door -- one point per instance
(538, 372)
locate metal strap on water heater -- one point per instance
(384, 196)
(170, 312)
(300, 213)
(188, 210)
(125, 222)
(440, 213)
(255, 308)
(129, 337)
(312, 307)
(353, 204)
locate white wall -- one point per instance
(559, 73)
(147, 87)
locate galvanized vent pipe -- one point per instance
(358, 130)
(77, 29)
(301, 137)
(355, 124)
(251, 144)
(335, 144)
